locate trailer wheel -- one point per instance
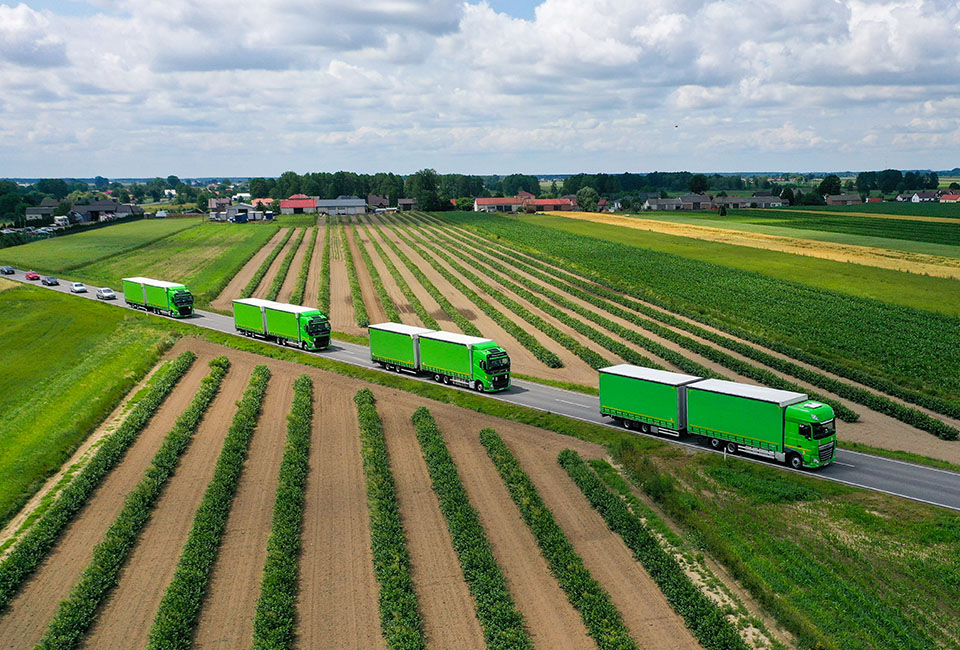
(732, 447)
(627, 424)
(446, 380)
(795, 461)
(436, 377)
(716, 443)
(645, 428)
(478, 386)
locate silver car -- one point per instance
(106, 293)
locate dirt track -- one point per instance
(370, 298)
(341, 301)
(264, 286)
(294, 271)
(407, 314)
(312, 290)
(240, 280)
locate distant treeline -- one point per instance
(616, 184)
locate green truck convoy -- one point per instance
(452, 358)
(761, 421)
(286, 324)
(169, 298)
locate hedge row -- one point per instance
(604, 622)
(281, 275)
(323, 294)
(388, 307)
(36, 544)
(702, 615)
(300, 287)
(525, 338)
(400, 619)
(179, 610)
(502, 623)
(274, 625)
(359, 309)
(77, 613)
(265, 266)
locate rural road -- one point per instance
(925, 484)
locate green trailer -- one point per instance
(395, 345)
(158, 296)
(762, 421)
(647, 399)
(286, 324)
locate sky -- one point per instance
(142, 88)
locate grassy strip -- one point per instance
(359, 309)
(323, 297)
(603, 620)
(391, 310)
(565, 385)
(265, 266)
(274, 626)
(203, 299)
(399, 608)
(428, 321)
(179, 610)
(281, 275)
(525, 338)
(34, 547)
(702, 615)
(502, 623)
(296, 298)
(77, 613)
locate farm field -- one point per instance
(903, 209)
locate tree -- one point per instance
(933, 181)
(173, 181)
(100, 182)
(829, 185)
(62, 208)
(422, 186)
(56, 187)
(954, 186)
(787, 195)
(588, 199)
(554, 190)
(888, 180)
(465, 203)
(699, 184)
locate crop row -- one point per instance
(274, 624)
(502, 623)
(359, 309)
(26, 556)
(388, 307)
(281, 275)
(323, 294)
(428, 321)
(524, 337)
(701, 614)
(300, 287)
(179, 609)
(604, 622)
(265, 266)
(76, 614)
(400, 619)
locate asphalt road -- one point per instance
(925, 484)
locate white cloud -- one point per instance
(26, 39)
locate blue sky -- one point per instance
(151, 87)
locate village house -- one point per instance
(298, 204)
(342, 205)
(405, 205)
(843, 199)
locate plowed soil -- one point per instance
(370, 298)
(264, 286)
(240, 280)
(294, 272)
(312, 290)
(341, 301)
(407, 314)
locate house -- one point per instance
(38, 213)
(405, 205)
(572, 198)
(767, 201)
(660, 205)
(298, 204)
(245, 212)
(843, 199)
(950, 198)
(524, 195)
(497, 204)
(218, 204)
(375, 201)
(697, 202)
(169, 194)
(734, 202)
(262, 203)
(875, 199)
(342, 205)
(241, 196)
(925, 197)
(904, 197)
(545, 205)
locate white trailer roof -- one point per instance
(759, 393)
(278, 306)
(650, 374)
(454, 337)
(400, 328)
(154, 283)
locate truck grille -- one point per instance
(500, 381)
(826, 452)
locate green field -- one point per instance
(951, 210)
(66, 363)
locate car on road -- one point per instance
(6, 270)
(106, 293)
(77, 287)
(50, 281)
(32, 275)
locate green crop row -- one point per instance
(179, 610)
(428, 321)
(701, 614)
(323, 295)
(77, 613)
(400, 619)
(502, 623)
(359, 309)
(296, 298)
(604, 622)
(265, 266)
(388, 307)
(274, 626)
(26, 556)
(281, 275)
(525, 338)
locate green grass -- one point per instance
(296, 220)
(949, 210)
(66, 365)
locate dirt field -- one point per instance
(370, 298)
(294, 271)
(312, 290)
(341, 301)
(240, 280)
(407, 314)
(267, 280)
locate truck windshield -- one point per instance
(316, 326)
(182, 298)
(824, 429)
(498, 363)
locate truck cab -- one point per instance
(491, 366)
(316, 329)
(810, 434)
(182, 299)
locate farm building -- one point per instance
(950, 198)
(298, 204)
(503, 204)
(767, 202)
(660, 205)
(696, 202)
(342, 205)
(925, 197)
(218, 204)
(843, 199)
(375, 201)
(544, 205)
(406, 204)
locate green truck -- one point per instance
(452, 358)
(286, 324)
(757, 420)
(158, 296)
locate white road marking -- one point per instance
(583, 406)
(837, 462)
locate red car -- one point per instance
(32, 275)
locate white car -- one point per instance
(77, 287)
(106, 293)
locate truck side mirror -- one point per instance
(483, 365)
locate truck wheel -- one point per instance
(795, 461)
(645, 428)
(478, 386)
(731, 447)
(303, 345)
(436, 377)
(716, 443)
(627, 424)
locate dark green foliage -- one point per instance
(359, 309)
(265, 266)
(399, 608)
(761, 489)
(323, 297)
(34, 547)
(388, 307)
(274, 626)
(281, 275)
(296, 298)
(604, 622)
(78, 612)
(502, 623)
(428, 321)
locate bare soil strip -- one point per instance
(226, 620)
(407, 314)
(127, 615)
(341, 300)
(267, 280)
(312, 291)
(447, 607)
(240, 280)
(294, 271)
(31, 611)
(370, 298)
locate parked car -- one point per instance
(50, 281)
(161, 214)
(106, 293)
(77, 287)
(7, 231)
(6, 270)
(32, 275)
